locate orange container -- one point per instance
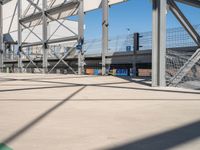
(90, 71)
(144, 72)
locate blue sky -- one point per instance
(135, 15)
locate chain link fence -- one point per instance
(176, 38)
(182, 66)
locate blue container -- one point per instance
(122, 72)
(96, 71)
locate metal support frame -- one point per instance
(45, 15)
(105, 25)
(16, 6)
(177, 78)
(45, 36)
(1, 38)
(19, 36)
(51, 11)
(184, 22)
(35, 5)
(64, 62)
(20, 51)
(159, 43)
(81, 38)
(53, 41)
(62, 58)
(45, 40)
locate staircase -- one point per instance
(185, 69)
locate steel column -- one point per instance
(81, 37)
(44, 29)
(1, 38)
(105, 25)
(159, 43)
(19, 36)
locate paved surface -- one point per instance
(48, 112)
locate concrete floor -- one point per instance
(62, 112)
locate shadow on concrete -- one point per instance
(93, 100)
(150, 89)
(35, 79)
(65, 83)
(37, 88)
(38, 119)
(142, 81)
(165, 140)
(107, 85)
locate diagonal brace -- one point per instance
(61, 24)
(65, 63)
(35, 5)
(63, 57)
(31, 31)
(31, 60)
(184, 21)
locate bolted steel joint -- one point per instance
(1, 51)
(45, 46)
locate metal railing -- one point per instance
(176, 37)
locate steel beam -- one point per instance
(51, 11)
(194, 3)
(60, 23)
(62, 58)
(184, 22)
(44, 35)
(159, 43)
(35, 5)
(66, 64)
(53, 41)
(105, 25)
(19, 36)
(81, 37)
